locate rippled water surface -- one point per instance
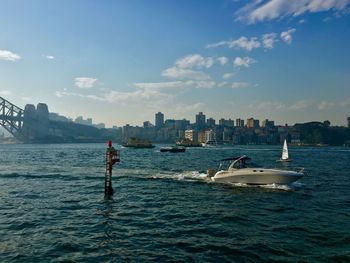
(165, 209)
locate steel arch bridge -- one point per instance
(11, 117)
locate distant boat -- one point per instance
(285, 155)
(210, 143)
(138, 143)
(173, 149)
(188, 143)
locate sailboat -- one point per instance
(285, 155)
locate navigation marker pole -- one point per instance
(112, 157)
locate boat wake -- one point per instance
(183, 176)
(283, 187)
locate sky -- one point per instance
(120, 62)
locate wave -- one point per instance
(183, 176)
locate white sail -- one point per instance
(285, 151)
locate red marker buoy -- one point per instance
(112, 157)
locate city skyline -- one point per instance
(122, 62)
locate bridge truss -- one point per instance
(11, 117)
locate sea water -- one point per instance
(165, 209)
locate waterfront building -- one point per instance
(99, 125)
(170, 123)
(227, 134)
(250, 123)
(239, 122)
(129, 131)
(80, 120)
(226, 123)
(268, 124)
(159, 120)
(56, 117)
(210, 122)
(201, 136)
(181, 124)
(147, 124)
(210, 135)
(256, 123)
(200, 121)
(191, 135)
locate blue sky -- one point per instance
(122, 61)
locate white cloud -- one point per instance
(286, 36)
(159, 85)
(223, 84)
(222, 60)
(61, 94)
(243, 62)
(182, 108)
(26, 99)
(176, 85)
(139, 97)
(300, 105)
(345, 103)
(236, 85)
(8, 55)
(84, 82)
(50, 57)
(5, 92)
(325, 105)
(228, 75)
(269, 106)
(242, 42)
(259, 10)
(268, 40)
(242, 85)
(180, 73)
(194, 61)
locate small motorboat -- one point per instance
(241, 171)
(210, 143)
(285, 155)
(173, 149)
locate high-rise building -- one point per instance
(239, 123)
(191, 135)
(200, 121)
(268, 124)
(159, 121)
(256, 123)
(348, 122)
(147, 124)
(250, 123)
(210, 122)
(169, 123)
(226, 123)
(181, 124)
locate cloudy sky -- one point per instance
(122, 61)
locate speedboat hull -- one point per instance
(257, 176)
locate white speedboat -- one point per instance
(240, 171)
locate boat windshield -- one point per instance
(237, 163)
(243, 163)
